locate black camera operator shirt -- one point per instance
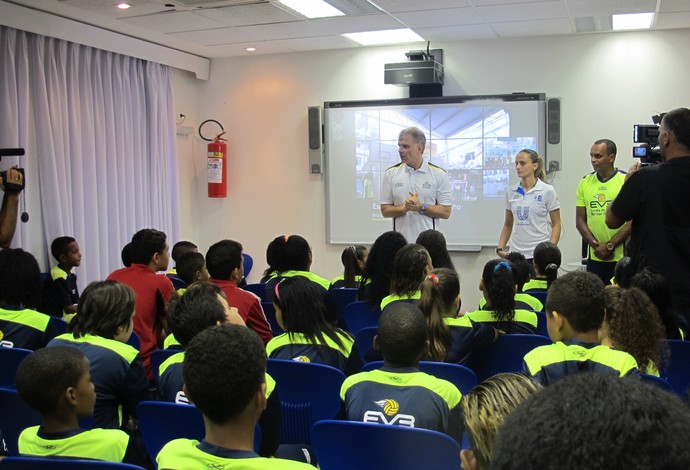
(656, 199)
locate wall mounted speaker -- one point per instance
(554, 152)
(315, 139)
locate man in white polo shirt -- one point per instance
(414, 192)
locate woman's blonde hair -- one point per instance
(486, 407)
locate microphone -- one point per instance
(11, 152)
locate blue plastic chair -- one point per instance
(177, 282)
(248, 264)
(158, 357)
(677, 371)
(258, 289)
(539, 294)
(541, 324)
(347, 445)
(134, 341)
(657, 381)
(15, 416)
(270, 312)
(506, 354)
(364, 339)
(308, 392)
(360, 315)
(44, 463)
(341, 299)
(59, 324)
(161, 422)
(460, 376)
(10, 358)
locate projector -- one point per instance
(421, 69)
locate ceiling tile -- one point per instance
(609, 7)
(677, 20)
(396, 6)
(674, 5)
(174, 22)
(244, 15)
(481, 3)
(533, 28)
(449, 17)
(523, 11)
(320, 43)
(456, 33)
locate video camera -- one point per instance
(647, 135)
(11, 187)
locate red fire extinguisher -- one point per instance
(217, 168)
(216, 162)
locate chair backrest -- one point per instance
(258, 289)
(341, 299)
(539, 294)
(677, 371)
(134, 341)
(10, 358)
(158, 357)
(657, 381)
(364, 339)
(177, 282)
(346, 445)
(360, 315)
(506, 354)
(248, 264)
(160, 422)
(460, 376)
(44, 463)
(270, 312)
(15, 416)
(59, 324)
(308, 392)
(541, 324)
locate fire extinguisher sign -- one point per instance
(215, 167)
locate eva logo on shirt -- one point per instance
(390, 408)
(599, 202)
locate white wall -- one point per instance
(607, 83)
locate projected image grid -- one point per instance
(472, 143)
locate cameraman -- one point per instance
(10, 206)
(656, 199)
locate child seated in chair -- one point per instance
(60, 294)
(398, 393)
(547, 260)
(56, 382)
(202, 307)
(225, 377)
(498, 285)
(575, 310)
(522, 276)
(191, 268)
(20, 292)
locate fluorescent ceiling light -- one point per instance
(312, 8)
(124, 6)
(389, 36)
(633, 21)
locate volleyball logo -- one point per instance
(390, 407)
